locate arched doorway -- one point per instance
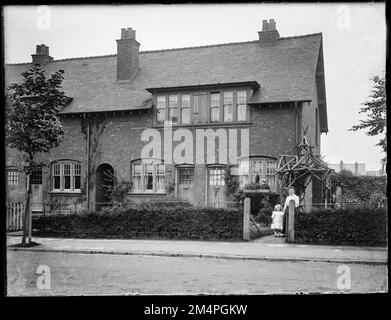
(104, 179)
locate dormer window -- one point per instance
(203, 104)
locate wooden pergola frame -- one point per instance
(305, 165)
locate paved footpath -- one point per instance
(255, 250)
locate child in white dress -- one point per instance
(277, 220)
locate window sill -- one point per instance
(65, 192)
(146, 193)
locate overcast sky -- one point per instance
(354, 45)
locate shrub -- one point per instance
(162, 220)
(362, 226)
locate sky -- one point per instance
(354, 46)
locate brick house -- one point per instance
(267, 90)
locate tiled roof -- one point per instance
(285, 70)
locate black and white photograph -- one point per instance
(195, 149)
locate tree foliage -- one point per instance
(375, 109)
(32, 124)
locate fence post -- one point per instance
(246, 219)
(291, 221)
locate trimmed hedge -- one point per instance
(146, 221)
(363, 226)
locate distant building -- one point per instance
(358, 169)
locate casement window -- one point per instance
(241, 100)
(12, 176)
(173, 108)
(185, 108)
(215, 107)
(161, 109)
(264, 168)
(66, 176)
(199, 108)
(202, 107)
(228, 106)
(148, 177)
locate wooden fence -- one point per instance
(14, 216)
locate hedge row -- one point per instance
(147, 221)
(362, 226)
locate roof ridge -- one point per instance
(180, 48)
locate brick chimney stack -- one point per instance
(127, 54)
(41, 55)
(269, 34)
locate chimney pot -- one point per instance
(269, 34)
(265, 25)
(123, 33)
(41, 55)
(272, 24)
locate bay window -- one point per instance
(261, 167)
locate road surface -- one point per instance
(97, 274)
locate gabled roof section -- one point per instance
(285, 70)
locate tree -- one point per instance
(32, 123)
(375, 108)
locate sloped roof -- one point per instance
(285, 70)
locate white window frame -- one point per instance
(242, 104)
(74, 170)
(161, 104)
(12, 176)
(155, 174)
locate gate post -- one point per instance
(246, 219)
(291, 221)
